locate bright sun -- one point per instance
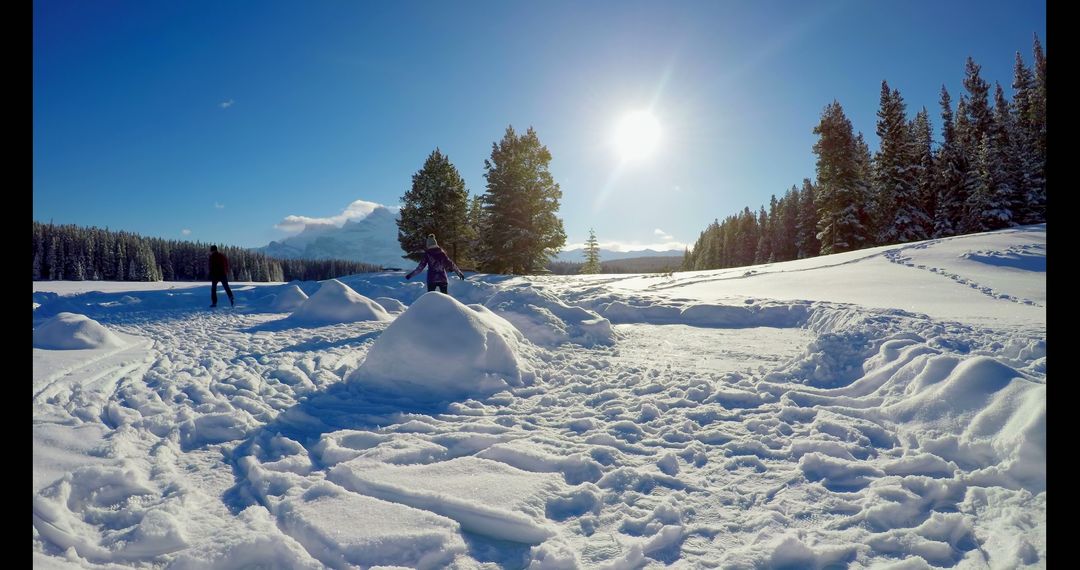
(637, 135)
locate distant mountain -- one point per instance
(627, 265)
(372, 239)
(578, 255)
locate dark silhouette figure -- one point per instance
(219, 271)
(437, 263)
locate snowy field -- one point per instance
(882, 408)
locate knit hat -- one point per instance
(431, 243)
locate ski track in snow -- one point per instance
(798, 434)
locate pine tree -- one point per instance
(987, 207)
(841, 185)
(775, 231)
(979, 114)
(764, 245)
(522, 231)
(806, 241)
(1029, 183)
(728, 243)
(785, 247)
(1009, 150)
(949, 175)
(747, 238)
(52, 256)
(1038, 102)
(922, 137)
(476, 225)
(39, 251)
(592, 254)
(436, 203)
(897, 216)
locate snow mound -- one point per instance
(336, 302)
(486, 497)
(983, 413)
(289, 299)
(442, 349)
(70, 331)
(391, 304)
(546, 320)
(343, 529)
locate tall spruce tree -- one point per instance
(979, 114)
(775, 206)
(897, 217)
(949, 175)
(522, 231)
(1004, 135)
(841, 184)
(592, 254)
(436, 203)
(922, 138)
(746, 238)
(476, 225)
(806, 240)
(785, 247)
(1038, 100)
(987, 207)
(1030, 183)
(764, 245)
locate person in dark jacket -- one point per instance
(437, 263)
(219, 271)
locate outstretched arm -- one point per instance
(419, 268)
(454, 267)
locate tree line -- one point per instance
(987, 172)
(628, 265)
(74, 253)
(511, 228)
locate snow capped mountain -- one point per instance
(578, 255)
(372, 239)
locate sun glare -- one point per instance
(637, 135)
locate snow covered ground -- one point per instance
(880, 408)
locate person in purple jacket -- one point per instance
(437, 263)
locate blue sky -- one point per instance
(217, 120)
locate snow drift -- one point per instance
(442, 349)
(336, 302)
(289, 299)
(70, 331)
(546, 320)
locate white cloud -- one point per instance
(219, 206)
(185, 231)
(662, 234)
(358, 210)
(227, 104)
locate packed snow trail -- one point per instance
(708, 431)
